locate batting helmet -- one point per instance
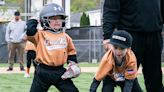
(51, 10)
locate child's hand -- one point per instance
(106, 44)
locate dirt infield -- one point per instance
(83, 69)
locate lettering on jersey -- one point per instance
(119, 76)
(56, 44)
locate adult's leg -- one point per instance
(138, 49)
(12, 51)
(152, 62)
(20, 48)
(108, 84)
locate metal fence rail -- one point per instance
(87, 40)
(89, 50)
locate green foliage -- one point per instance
(15, 3)
(3, 8)
(84, 5)
(84, 21)
(88, 20)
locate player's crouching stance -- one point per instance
(118, 66)
(54, 48)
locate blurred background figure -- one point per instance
(30, 57)
(15, 33)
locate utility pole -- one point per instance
(27, 9)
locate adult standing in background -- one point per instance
(143, 19)
(15, 37)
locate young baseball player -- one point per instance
(118, 66)
(30, 57)
(54, 48)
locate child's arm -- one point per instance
(31, 27)
(131, 66)
(31, 30)
(94, 85)
(128, 85)
(71, 50)
(105, 66)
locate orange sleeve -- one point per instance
(104, 67)
(71, 47)
(131, 70)
(34, 39)
(30, 46)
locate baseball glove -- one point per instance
(73, 71)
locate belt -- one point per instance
(50, 67)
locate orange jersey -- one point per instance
(52, 48)
(107, 66)
(30, 46)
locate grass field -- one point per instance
(17, 83)
(81, 64)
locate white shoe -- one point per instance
(26, 75)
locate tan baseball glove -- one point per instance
(73, 71)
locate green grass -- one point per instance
(17, 83)
(81, 64)
(6, 64)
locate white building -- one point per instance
(94, 16)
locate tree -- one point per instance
(88, 20)
(13, 3)
(84, 21)
(8, 6)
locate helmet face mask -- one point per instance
(50, 10)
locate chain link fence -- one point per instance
(3, 43)
(88, 43)
(87, 40)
